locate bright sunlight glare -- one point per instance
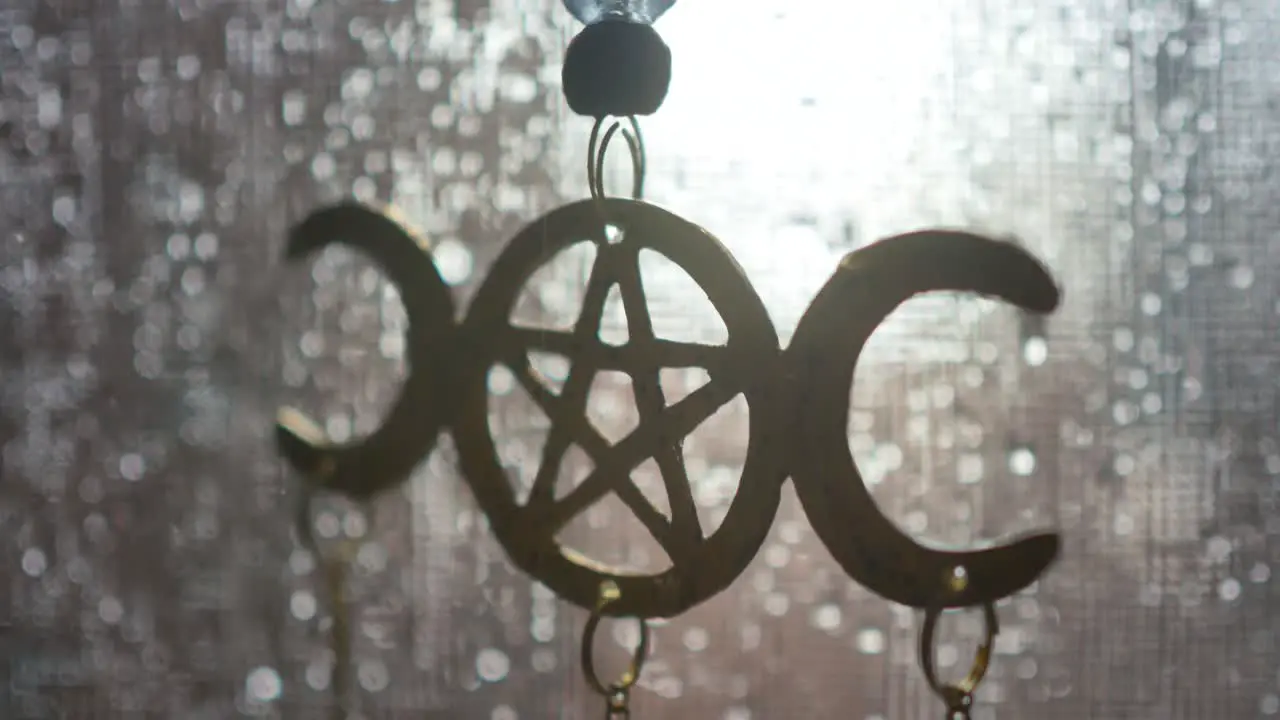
(818, 106)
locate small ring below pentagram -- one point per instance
(748, 364)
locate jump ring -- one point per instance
(620, 688)
(598, 148)
(957, 696)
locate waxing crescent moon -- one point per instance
(363, 468)
(869, 284)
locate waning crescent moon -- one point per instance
(363, 468)
(869, 284)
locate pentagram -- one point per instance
(796, 400)
(748, 364)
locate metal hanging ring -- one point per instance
(615, 692)
(598, 149)
(957, 696)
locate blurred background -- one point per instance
(154, 153)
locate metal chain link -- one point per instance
(333, 569)
(617, 694)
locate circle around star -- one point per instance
(749, 363)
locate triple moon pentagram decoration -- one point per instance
(797, 398)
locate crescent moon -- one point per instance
(869, 284)
(364, 468)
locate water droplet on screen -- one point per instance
(870, 641)
(1229, 589)
(1022, 461)
(303, 605)
(454, 261)
(263, 684)
(373, 675)
(828, 618)
(1035, 351)
(492, 665)
(34, 562)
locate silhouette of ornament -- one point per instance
(797, 397)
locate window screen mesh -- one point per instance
(154, 154)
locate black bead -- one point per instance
(616, 68)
